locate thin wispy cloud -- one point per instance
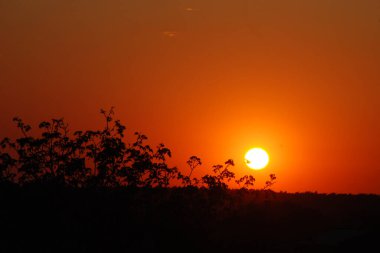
(170, 34)
(190, 9)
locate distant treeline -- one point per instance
(101, 158)
(51, 218)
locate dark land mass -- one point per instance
(36, 218)
(94, 191)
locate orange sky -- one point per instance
(210, 78)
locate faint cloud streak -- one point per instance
(190, 9)
(170, 34)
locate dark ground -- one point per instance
(52, 219)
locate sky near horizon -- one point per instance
(210, 78)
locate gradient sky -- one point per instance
(210, 78)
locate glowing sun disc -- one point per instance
(256, 158)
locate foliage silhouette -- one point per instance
(246, 181)
(270, 182)
(100, 158)
(222, 176)
(193, 162)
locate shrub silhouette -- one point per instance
(100, 158)
(193, 162)
(270, 182)
(7, 162)
(246, 181)
(222, 176)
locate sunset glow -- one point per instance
(208, 78)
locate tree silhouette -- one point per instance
(222, 176)
(270, 182)
(246, 181)
(100, 158)
(7, 162)
(193, 162)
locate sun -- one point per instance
(256, 158)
